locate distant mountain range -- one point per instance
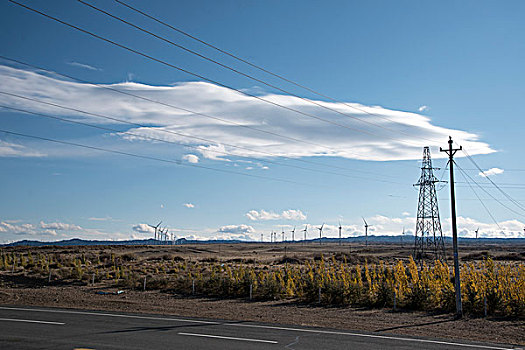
(181, 241)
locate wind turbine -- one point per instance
(163, 234)
(262, 238)
(156, 228)
(340, 228)
(320, 232)
(477, 233)
(402, 235)
(366, 232)
(282, 232)
(293, 234)
(306, 230)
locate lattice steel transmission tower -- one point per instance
(429, 237)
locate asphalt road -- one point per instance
(39, 328)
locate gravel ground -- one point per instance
(506, 331)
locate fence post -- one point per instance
(193, 287)
(49, 278)
(144, 283)
(93, 280)
(319, 294)
(251, 290)
(395, 299)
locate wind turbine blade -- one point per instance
(364, 221)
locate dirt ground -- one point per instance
(507, 331)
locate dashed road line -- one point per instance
(228, 338)
(31, 321)
(303, 330)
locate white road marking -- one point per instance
(109, 315)
(371, 336)
(228, 338)
(31, 321)
(265, 327)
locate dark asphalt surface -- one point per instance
(26, 328)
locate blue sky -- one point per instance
(421, 71)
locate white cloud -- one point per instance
(506, 229)
(377, 144)
(83, 65)
(236, 229)
(423, 108)
(261, 215)
(191, 158)
(59, 226)
(143, 228)
(491, 171)
(11, 230)
(293, 214)
(49, 232)
(107, 218)
(405, 213)
(230, 236)
(44, 229)
(22, 229)
(8, 149)
(189, 205)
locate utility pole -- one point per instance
(340, 228)
(457, 284)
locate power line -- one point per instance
(239, 72)
(492, 182)
(211, 117)
(170, 161)
(488, 185)
(513, 169)
(182, 69)
(477, 196)
(206, 116)
(153, 138)
(490, 195)
(474, 199)
(254, 65)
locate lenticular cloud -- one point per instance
(380, 135)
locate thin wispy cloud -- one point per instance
(9, 149)
(263, 215)
(107, 218)
(423, 108)
(59, 226)
(83, 65)
(327, 140)
(189, 205)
